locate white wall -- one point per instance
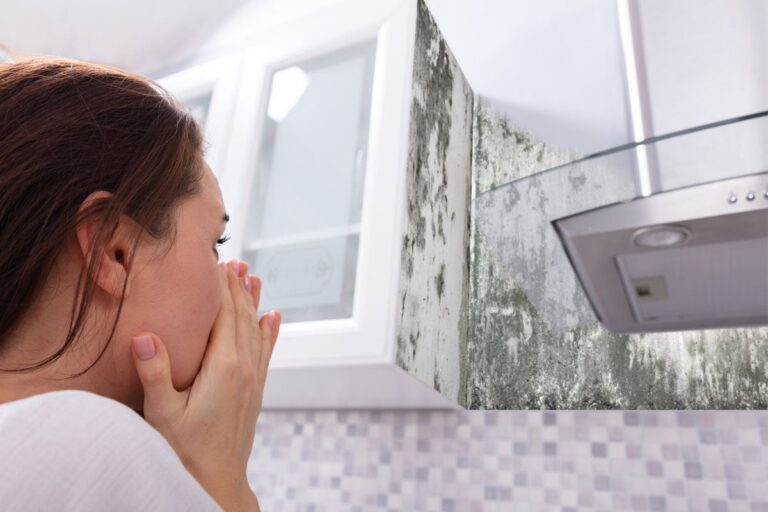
(706, 60)
(137, 35)
(258, 20)
(555, 67)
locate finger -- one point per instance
(154, 369)
(255, 293)
(241, 268)
(275, 332)
(277, 329)
(255, 328)
(255, 290)
(243, 313)
(224, 330)
(265, 349)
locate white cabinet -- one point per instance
(298, 191)
(308, 133)
(207, 90)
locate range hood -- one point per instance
(666, 234)
(690, 258)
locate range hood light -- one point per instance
(660, 236)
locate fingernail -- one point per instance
(233, 265)
(144, 346)
(247, 282)
(270, 319)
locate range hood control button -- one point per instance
(751, 196)
(733, 199)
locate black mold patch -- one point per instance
(551, 370)
(517, 361)
(577, 181)
(430, 156)
(400, 356)
(435, 83)
(440, 281)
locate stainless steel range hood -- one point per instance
(690, 258)
(679, 242)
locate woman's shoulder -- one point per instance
(91, 450)
(71, 414)
(61, 402)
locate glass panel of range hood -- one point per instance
(667, 234)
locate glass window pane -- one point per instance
(199, 107)
(303, 224)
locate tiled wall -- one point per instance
(559, 461)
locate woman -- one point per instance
(113, 299)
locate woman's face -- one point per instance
(174, 294)
(177, 296)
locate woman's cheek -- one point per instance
(187, 359)
(188, 356)
(214, 297)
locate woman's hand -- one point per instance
(211, 424)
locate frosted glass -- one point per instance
(303, 222)
(199, 107)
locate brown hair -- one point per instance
(69, 128)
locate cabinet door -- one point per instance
(302, 225)
(315, 168)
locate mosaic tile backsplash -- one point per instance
(517, 460)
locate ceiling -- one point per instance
(555, 67)
(140, 35)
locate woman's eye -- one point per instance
(220, 241)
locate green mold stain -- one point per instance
(518, 362)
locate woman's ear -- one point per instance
(114, 255)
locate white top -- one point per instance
(76, 450)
